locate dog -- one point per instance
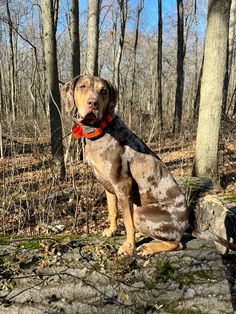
(134, 177)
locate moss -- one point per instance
(193, 278)
(167, 271)
(4, 240)
(29, 245)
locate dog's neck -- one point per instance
(91, 132)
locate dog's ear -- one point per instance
(67, 93)
(112, 97)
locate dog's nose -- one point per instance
(93, 103)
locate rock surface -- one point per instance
(84, 275)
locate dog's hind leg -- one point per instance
(160, 246)
(161, 222)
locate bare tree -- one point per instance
(123, 5)
(139, 10)
(159, 65)
(180, 68)
(75, 39)
(215, 54)
(50, 48)
(12, 63)
(92, 37)
(228, 96)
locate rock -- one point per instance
(188, 281)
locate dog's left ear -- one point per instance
(112, 97)
(67, 93)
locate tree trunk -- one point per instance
(212, 90)
(139, 10)
(197, 95)
(226, 81)
(1, 141)
(196, 78)
(180, 69)
(12, 64)
(123, 4)
(53, 87)
(159, 66)
(232, 21)
(74, 34)
(92, 37)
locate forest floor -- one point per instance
(35, 204)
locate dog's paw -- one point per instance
(158, 247)
(145, 250)
(127, 248)
(108, 232)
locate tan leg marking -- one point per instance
(157, 247)
(112, 214)
(124, 196)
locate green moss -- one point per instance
(4, 240)
(167, 271)
(29, 245)
(193, 278)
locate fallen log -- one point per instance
(209, 211)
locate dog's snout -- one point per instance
(93, 103)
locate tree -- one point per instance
(92, 37)
(215, 54)
(74, 35)
(159, 65)
(123, 5)
(229, 95)
(180, 68)
(139, 10)
(12, 64)
(49, 31)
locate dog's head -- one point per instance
(93, 97)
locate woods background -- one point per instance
(172, 62)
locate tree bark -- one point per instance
(75, 40)
(214, 66)
(12, 64)
(123, 5)
(139, 10)
(231, 45)
(92, 37)
(159, 66)
(53, 87)
(180, 69)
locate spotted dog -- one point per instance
(133, 176)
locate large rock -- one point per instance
(85, 276)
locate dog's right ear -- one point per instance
(67, 93)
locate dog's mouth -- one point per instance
(89, 118)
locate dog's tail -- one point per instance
(207, 235)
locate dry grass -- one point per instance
(33, 202)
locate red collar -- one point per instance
(80, 130)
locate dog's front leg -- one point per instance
(112, 214)
(125, 201)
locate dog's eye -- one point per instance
(82, 86)
(103, 91)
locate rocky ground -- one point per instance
(84, 275)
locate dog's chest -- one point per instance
(105, 162)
